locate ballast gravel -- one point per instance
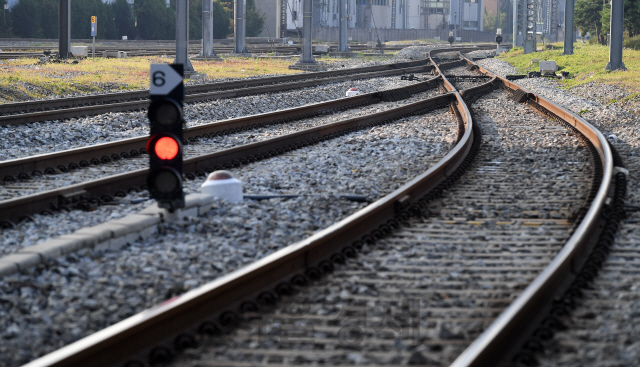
(71, 297)
(51, 136)
(30, 233)
(422, 294)
(604, 328)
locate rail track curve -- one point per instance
(157, 333)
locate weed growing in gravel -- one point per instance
(25, 79)
(585, 65)
(242, 67)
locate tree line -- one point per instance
(145, 19)
(594, 16)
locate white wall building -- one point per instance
(386, 14)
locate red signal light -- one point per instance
(166, 148)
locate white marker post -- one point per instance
(94, 30)
(4, 14)
(164, 79)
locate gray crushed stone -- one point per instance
(604, 329)
(71, 297)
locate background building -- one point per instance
(388, 14)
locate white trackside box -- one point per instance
(79, 51)
(548, 67)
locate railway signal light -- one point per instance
(165, 143)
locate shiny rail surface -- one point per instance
(149, 328)
(490, 272)
(499, 343)
(93, 104)
(14, 209)
(61, 108)
(496, 346)
(23, 168)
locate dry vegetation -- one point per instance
(26, 79)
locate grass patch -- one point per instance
(26, 79)
(585, 65)
(422, 40)
(241, 67)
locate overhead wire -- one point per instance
(376, 28)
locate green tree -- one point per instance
(255, 20)
(195, 19)
(155, 20)
(81, 13)
(605, 18)
(632, 17)
(27, 19)
(221, 20)
(505, 7)
(123, 22)
(6, 30)
(588, 18)
(227, 5)
(148, 19)
(489, 22)
(48, 18)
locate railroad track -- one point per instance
(15, 52)
(64, 108)
(91, 193)
(475, 305)
(20, 201)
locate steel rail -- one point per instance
(118, 343)
(153, 326)
(192, 47)
(26, 107)
(142, 104)
(498, 344)
(48, 104)
(139, 105)
(13, 209)
(72, 158)
(482, 88)
(446, 83)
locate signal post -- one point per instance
(164, 146)
(94, 30)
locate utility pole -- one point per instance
(461, 18)
(64, 29)
(342, 42)
(455, 25)
(307, 19)
(182, 37)
(207, 31)
(307, 61)
(569, 10)
(617, 29)
(239, 11)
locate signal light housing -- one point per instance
(165, 144)
(165, 184)
(165, 147)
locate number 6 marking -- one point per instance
(158, 81)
